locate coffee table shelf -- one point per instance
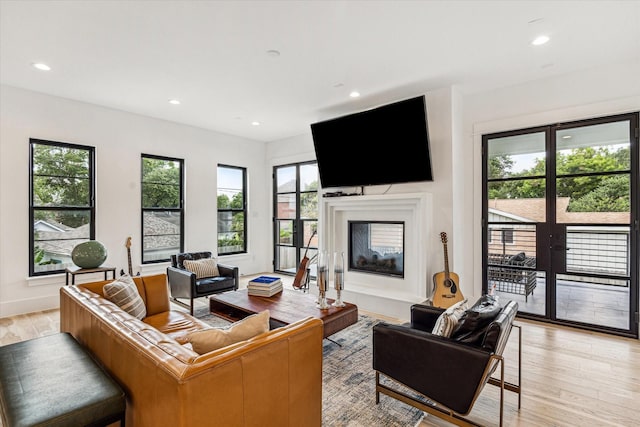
(284, 308)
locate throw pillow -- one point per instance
(207, 267)
(449, 318)
(473, 325)
(208, 340)
(124, 293)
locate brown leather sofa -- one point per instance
(274, 379)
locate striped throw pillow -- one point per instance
(207, 267)
(124, 293)
(449, 319)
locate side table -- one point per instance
(75, 270)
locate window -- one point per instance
(162, 208)
(61, 208)
(232, 210)
(295, 213)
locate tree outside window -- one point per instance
(162, 208)
(62, 208)
(231, 200)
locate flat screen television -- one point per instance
(384, 145)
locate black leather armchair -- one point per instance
(184, 284)
(449, 373)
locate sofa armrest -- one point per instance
(181, 282)
(230, 271)
(424, 317)
(423, 362)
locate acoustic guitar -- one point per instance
(445, 283)
(300, 280)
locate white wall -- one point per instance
(441, 104)
(119, 138)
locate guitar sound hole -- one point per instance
(451, 284)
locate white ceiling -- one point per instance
(212, 55)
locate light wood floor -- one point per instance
(570, 377)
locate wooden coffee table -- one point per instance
(284, 308)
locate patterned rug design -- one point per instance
(348, 391)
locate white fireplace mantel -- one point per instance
(382, 294)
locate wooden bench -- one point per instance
(54, 381)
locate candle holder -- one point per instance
(322, 280)
(338, 277)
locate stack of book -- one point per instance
(264, 286)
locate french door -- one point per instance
(295, 214)
(560, 222)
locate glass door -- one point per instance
(561, 214)
(295, 215)
(516, 216)
(592, 240)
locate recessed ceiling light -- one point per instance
(174, 102)
(354, 94)
(540, 40)
(273, 53)
(41, 66)
(255, 123)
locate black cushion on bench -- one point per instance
(54, 381)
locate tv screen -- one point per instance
(385, 145)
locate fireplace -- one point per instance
(377, 247)
(381, 292)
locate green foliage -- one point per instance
(312, 186)
(61, 178)
(611, 195)
(160, 183)
(234, 241)
(596, 193)
(286, 236)
(309, 205)
(223, 201)
(521, 189)
(500, 166)
(38, 257)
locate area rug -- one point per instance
(348, 390)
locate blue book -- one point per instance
(265, 279)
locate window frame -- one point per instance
(243, 210)
(91, 207)
(144, 210)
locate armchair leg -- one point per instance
(180, 303)
(516, 388)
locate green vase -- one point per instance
(89, 254)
